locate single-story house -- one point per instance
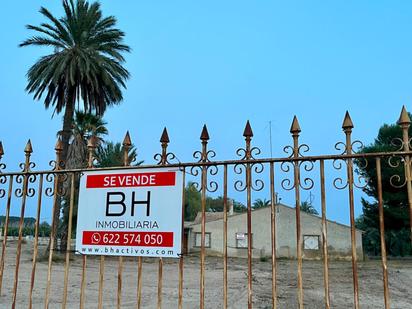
(338, 235)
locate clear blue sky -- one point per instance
(222, 63)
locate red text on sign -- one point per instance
(138, 239)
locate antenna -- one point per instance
(270, 138)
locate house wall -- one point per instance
(339, 242)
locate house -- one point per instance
(338, 235)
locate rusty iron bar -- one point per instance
(69, 240)
(159, 284)
(382, 234)
(295, 130)
(139, 282)
(36, 238)
(347, 127)
(248, 134)
(59, 150)
(324, 235)
(6, 227)
(126, 146)
(204, 137)
(405, 122)
(273, 232)
(91, 147)
(182, 165)
(28, 150)
(181, 259)
(164, 140)
(225, 201)
(101, 280)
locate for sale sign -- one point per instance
(130, 213)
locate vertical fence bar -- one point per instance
(139, 282)
(347, 128)
(404, 121)
(91, 147)
(382, 234)
(324, 235)
(126, 147)
(164, 140)
(69, 239)
(6, 227)
(181, 259)
(36, 238)
(225, 201)
(295, 130)
(58, 149)
(28, 150)
(204, 138)
(273, 232)
(248, 134)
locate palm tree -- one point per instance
(85, 67)
(259, 203)
(111, 154)
(308, 208)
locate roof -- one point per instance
(214, 216)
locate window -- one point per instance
(241, 240)
(198, 240)
(311, 242)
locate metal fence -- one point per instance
(210, 176)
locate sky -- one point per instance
(222, 63)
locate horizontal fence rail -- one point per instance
(56, 191)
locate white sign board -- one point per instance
(130, 213)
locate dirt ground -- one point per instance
(370, 283)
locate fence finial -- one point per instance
(1, 150)
(164, 139)
(404, 117)
(127, 140)
(295, 127)
(28, 148)
(248, 130)
(347, 122)
(205, 134)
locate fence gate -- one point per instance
(39, 266)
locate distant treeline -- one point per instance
(28, 226)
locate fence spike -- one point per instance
(248, 130)
(1, 150)
(164, 139)
(295, 127)
(127, 140)
(28, 148)
(347, 122)
(404, 117)
(205, 134)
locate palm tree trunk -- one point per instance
(65, 136)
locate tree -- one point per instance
(85, 125)
(111, 154)
(308, 208)
(193, 203)
(259, 203)
(395, 199)
(86, 64)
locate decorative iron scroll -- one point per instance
(247, 154)
(359, 181)
(205, 156)
(294, 152)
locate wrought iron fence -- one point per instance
(210, 176)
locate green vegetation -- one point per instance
(396, 209)
(193, 203)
